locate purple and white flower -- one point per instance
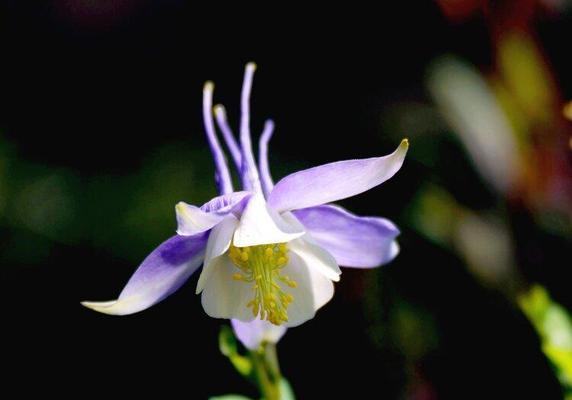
(270, 253)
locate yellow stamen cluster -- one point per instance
(261, 266)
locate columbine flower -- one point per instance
(269, 252)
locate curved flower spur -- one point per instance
(269, 252)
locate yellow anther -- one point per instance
(261, 266)
(288, 281)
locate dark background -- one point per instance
(106, 96)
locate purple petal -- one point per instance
(252, 334)
(192, 219)
(226, 203)
(160, 274)
(362, 242)
(249, 173)
(222, 122)
(334, 181)
(265, 177)
(222, 175)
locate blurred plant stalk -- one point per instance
(259, 366)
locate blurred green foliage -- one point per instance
(554, 325)
(46, 205)
(228, 346)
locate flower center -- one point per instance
(261, 265)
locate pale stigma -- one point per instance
(261, 265)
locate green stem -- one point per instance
(272, 360)
(267, 371)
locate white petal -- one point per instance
(261, 225)
(222, 296)
(292, 221)
(219, 241)
(313, 291)
(316, 257)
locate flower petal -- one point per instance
(222, 174)
(220, 114)
(312, 292)
(160, 274)
(362, 242)
(252, 334)
(263, 166)
(260, 224)
(192, 219)
(224, 297)
(334, 181)
(316, 257)
(249, 172)
(219, 241)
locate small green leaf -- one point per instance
(227, 341)
(286, 392)
(228, 347)
(230, 397)
(554, 326)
